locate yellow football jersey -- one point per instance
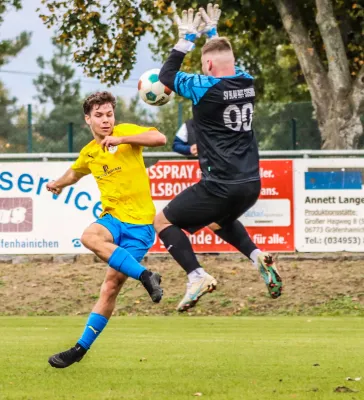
(121, 177)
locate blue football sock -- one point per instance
(94, 326)
(124, 262)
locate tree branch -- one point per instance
(339, 74)
(357, 95)
(313, 70)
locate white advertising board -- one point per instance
(32, 220)
(329, 204)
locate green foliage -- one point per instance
(262, 46)
(11, 47)
(58, 85)
(106, 39)
(280, 80)
(105, 35)
(7, 114)
(273, 124)
(133, 112)
(168, 119)
(6, 5)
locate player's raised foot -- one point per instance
(195, 290)
(68, 357)
(152, 281)
(270, 274)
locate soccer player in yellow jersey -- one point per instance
(124, 232)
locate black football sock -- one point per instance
(236, 235)
(180, 248)
(80, 349)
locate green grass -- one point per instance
(221, 357)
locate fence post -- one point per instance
(30, 129)
(294, 134)
(70, 137)
(180, 114)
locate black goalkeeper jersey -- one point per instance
(222, 112)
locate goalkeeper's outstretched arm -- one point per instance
(187, 33)
(170, 69)
(190, 86)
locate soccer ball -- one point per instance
(151, 89)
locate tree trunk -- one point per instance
(336, 99)
(341, 128)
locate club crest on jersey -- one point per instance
(112, 149)
(105, 168)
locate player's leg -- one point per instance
(233, 232)
(99, 239)
(137, 240)
(102, 311)
(191, 210)
(96, 321)
(104, 239)
(199, 281)
(242, 198)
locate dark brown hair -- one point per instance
(217, 44)
(98, 98)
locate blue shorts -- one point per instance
(136, 239)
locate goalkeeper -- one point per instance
(223, 104)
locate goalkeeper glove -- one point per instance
(187, 30)
(210, 20)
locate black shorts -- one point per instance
(197, 207)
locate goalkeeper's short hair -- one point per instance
(217, 45)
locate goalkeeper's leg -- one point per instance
(233, 232)
(236, 235)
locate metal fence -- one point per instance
(264, 154)
(278, 126)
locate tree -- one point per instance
(133, 112)
(338, 98)
(7, 113)
(59, 85)
(328, 50)
(11, 47)
(10, 137)
(60, 88)
(168, 119)
(105, 35)
(285, 126)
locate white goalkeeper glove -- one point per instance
(187, 30)
(210, 20)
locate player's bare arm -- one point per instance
(152, 138)
(69, 178)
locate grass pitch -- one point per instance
(172, 358)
